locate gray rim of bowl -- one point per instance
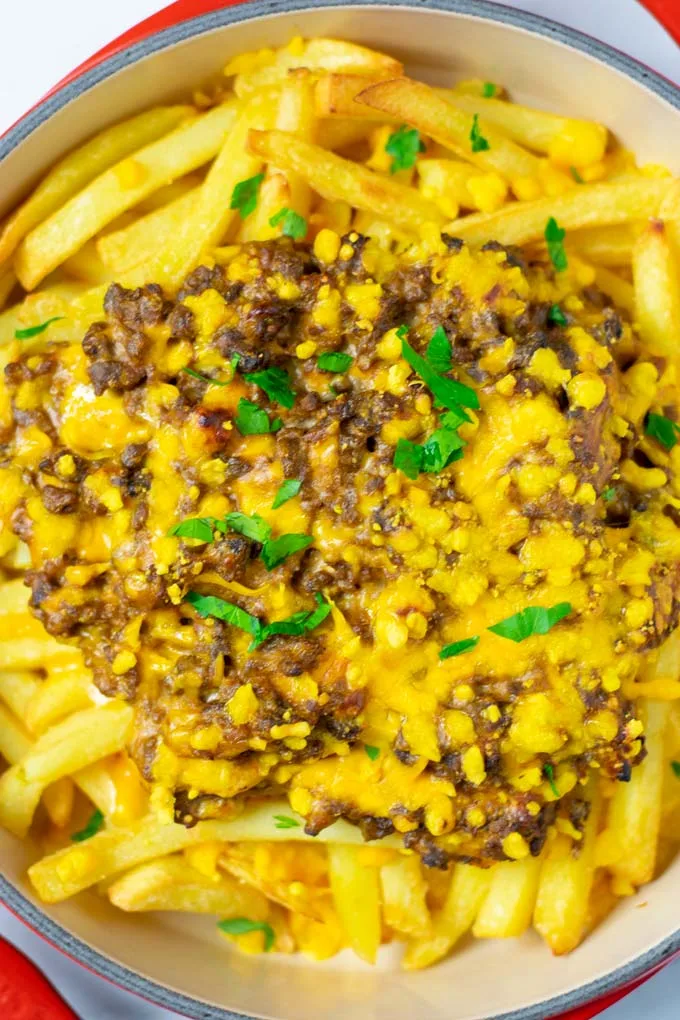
(27, 911)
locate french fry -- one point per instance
(75, 171)
(417, 104)
(335, 96)
(66, 690)
(452, 183)
(339, 133)
(314, 54)
(336, 178)
(356, 894)
(8, 282)
(469, 886)
(403, 897)
(274, 195)
(86, 265)
(17, 690)
(509, 904)
(606, 246)
(565, 884)
(123, 250)
(296, 896)
(657, 290)
(172, 884)
(619, 290)
(566, 140)
(296, 114)
(119, 188)
(625, 199)
(14, 740)
(58, 799)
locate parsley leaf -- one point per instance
(554, 238)
(402, 331)
(26, 334)
(458, 647)
(532, 620)
(478, 142)
(94, 824)
(408, 457)
(403, 146)
(556, 316)
(200, 528)
(285, 822)
(211, 605)
(549, 773)
(662, 429)
(252, 420)
(675, 765)
(299, 623)
(576, 175)
(442, 448)
(276, 550)
(205, 378)
(488, 90)
(608, 494)
(253, 527)
(245, 194)
(438, 351)
(243, 925)
(287, 490)
(292, 224)
(372, 752)
(448, 392)
(334, 361)
(275, 383)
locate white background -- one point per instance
(40, 41)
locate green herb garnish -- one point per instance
(438, 351)
(251, 526)
(292, 224)
(243, 925)
(478, 142)
(402, 331)
(675, 765)
(403, 146)
(287, 490)
(275, 383)
(458, 647)
(662, 429)
(252, 420)
(244, 196)
(299, 623)
(200, 528)
(334, 361)
(211, 605)
(30, 331)
(554, 238)
(576, 175)
(94, 824)
(532, 620)
(549, 773)
(488, 90)
(205, 378)
(556, 316)
(608, 494)
(442, 448)
(285, 822)
(276, 550)
(452, 394)
(372, 752)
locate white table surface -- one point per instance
(40, 41)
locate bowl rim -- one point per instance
(246, 10)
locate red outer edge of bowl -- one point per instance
(667, 12)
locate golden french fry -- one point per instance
(274, 195)
(81, 166)
(622, 200)
(297, 897)
(403, 897)
(657, 290)
(417, 104)
(619, 290)
(123, 250)
(172, 884)
(607, 246)
(566, 140)
(17, 690)
(336, 178)
(8, 282)
(58, 799)
(451, 183)
(356, 894)
(467, 891)
(295, 113)
(119, 188)
(14, 740)
(335, 96)
(86, 265)
(565, 885)
(340, 133)
(509, 904)
(67, 689)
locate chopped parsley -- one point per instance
(205, 378)
(334, 361)
(292, 224)
(438, 351)
(211, 605)
(449, 392)
(287, 490)
(478, 142)
(252, 420)
(675, 765)
(245, 194)
(458, 647)
(442, 448)
(608, 494)
(662, 429)
(529, 621)
(488, 90)
(403, 146)
(576, 175)
(252, 526)
(372, 752)
(276, 550)
(554, 238)
(275, 383)
(549, 773)
(402, 331)
(299, 623)
(243, 925)
(285, 822)
(556, 316)
(200, 528)
(94, 824)
(30, 331)
(408, 458)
